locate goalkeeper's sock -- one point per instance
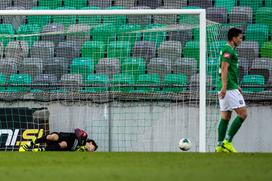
(222, 129)
(235, 126)
(53, 147)
(40, 140)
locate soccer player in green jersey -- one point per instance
(230, 94)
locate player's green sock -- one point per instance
(222, 129)
(235, 126)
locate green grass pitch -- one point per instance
(76, 166)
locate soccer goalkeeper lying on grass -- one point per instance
(61, 141)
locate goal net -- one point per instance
(135, 80)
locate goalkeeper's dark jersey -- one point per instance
(71, 139)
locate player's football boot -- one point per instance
(38, 150)
(24, 147)
(220, 149)
(228, 146)
(33, 142)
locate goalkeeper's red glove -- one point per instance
(81, 136)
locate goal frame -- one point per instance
(202, 30)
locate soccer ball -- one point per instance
(185, 144)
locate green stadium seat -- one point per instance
(191, 50)
(90, 20)
(215, 47)
(39, 20)
(129, 33)
(228, 4)
(253, 4)
(133, 66)
(189, 19)
(253, 80)
(105, 33)
(6, 29)
(83, 66)
(101, 79)
(119, 49)
(156, 34)
(212, 33)
(77, 4)
(115, 20)
(52, 4)
(268, 3)
(65, 20)
(18, 79)
(263, 16)
(29, 29)
(123, 79)
(178, 79)
(257, 32)
(148, 79)
(93, 49)
(2, 82)
(266, 50)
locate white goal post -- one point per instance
(202, 33)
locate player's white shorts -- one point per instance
(232, 100)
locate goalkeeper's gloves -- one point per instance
(82, 148)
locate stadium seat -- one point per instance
(159, 66)
(253, 4)
(262, 66)
(42, 49)
(144, 49)
(170, 50)
(71, 82)
(182, 34)
(99, 79)
(165, 19)
(119, 49)
(113, 19)
(6, 3)
(93, 49)
(186, 66)
(253, 80)
(100, 3)
(46, 80)
(68, 49)
(257, 32)
(18, 79)
(54, 31)
(29, 29)
(175, 3)
(39, 20)
(156, 34)
(194, 83)
(266, 50)
(52, 4)
(79, 33)
(125, 3)
(133, 66)
(215, 47)
(1, 50)
(109, 66)
(8, 66)
(6, 29)
(31, 66)
(150, 3)
(142, 20)
(212, 68)
(241, 15)
(76, 4)
(217, 14)
(129, 32)
(147, 80)
(105, 33)
(17, 50)
(189, 20)
(56, 66)
(90, 20)
(27, 4)
(123, 79)
(201, 3)
(268, 3)
(65, 20)
(2, 82)
(191, 50)
(248, 50)
(263, 16)
(244, 66)
(83, 66)
(16, 21)
(212, 33)
(225, 4)
(175, 79)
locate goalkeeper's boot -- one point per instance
(24, 147)
(38, 150)
(221, 149)
(33, 142)
(228, 146)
